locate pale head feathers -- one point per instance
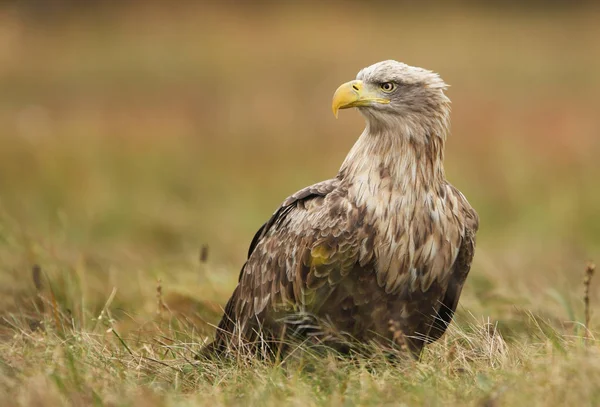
(399, 72)
(418, 106)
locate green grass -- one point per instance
(132, 138)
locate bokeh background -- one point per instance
(133, 135)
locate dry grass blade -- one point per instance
(203, 254)
(160, 304)
(36, 275)
(105, 313)
(587, 281)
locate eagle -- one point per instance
(377, 255)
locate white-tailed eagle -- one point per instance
(379, 253)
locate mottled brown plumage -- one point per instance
(378, 254)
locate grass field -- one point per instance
(135, 140)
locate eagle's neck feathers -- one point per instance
(404, 157)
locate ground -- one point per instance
(141, 148)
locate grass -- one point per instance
(141, 148)
(474, 364)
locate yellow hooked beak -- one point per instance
(354, 94)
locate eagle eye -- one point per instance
(387, 87)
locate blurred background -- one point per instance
(135, 136)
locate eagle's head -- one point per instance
(389, 93)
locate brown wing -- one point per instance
(295, 260)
